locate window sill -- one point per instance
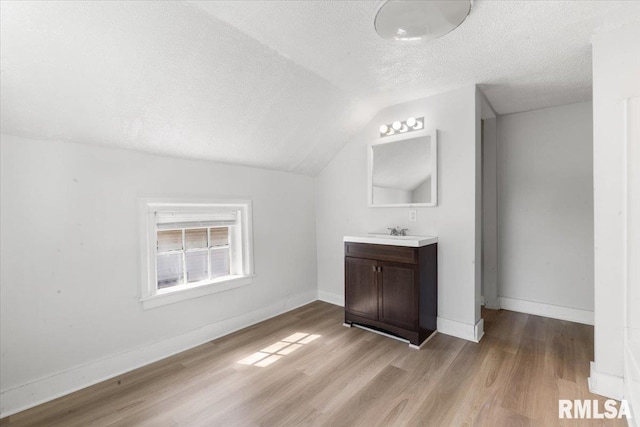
(173, 296)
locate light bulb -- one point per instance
(396, 125)
(384, 129)
(411, 121)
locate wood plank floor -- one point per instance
(314, 371)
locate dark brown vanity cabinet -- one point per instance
(392, 288)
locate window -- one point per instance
(193, 249)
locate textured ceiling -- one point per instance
(277, 84)
(524, 55)
(166, 78)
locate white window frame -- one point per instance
(150, 296)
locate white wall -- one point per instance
(545, 207)
(342, 205)
(489, 215)
(616, 67)
(477, 232)
(383, 195)
(70, 313)
(632, 294)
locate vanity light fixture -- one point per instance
(405, 126)
(416, 20)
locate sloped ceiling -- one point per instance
(165, 78)
(524, 55)
(276, 84)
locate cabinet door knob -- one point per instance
(375, 268)
(379, 269)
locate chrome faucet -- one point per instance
(398, 231)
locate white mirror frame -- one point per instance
(433, 134)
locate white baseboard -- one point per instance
(547, 310)
(466, 331)
(36, 392)
(423, 343)
(605, 385)
(331, 298)
(492, 303)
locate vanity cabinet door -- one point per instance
(399, 295)
(361, 291)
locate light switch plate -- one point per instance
(413, 215)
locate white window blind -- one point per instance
(193, 246)
(185, 220)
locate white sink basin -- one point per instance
(385, 239)
(387, 236)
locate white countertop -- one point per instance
(383, 239)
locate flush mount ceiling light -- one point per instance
(412, 20)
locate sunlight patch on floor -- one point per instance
(277, 350)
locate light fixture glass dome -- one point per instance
(408, 20)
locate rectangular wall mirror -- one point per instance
(404, 171)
